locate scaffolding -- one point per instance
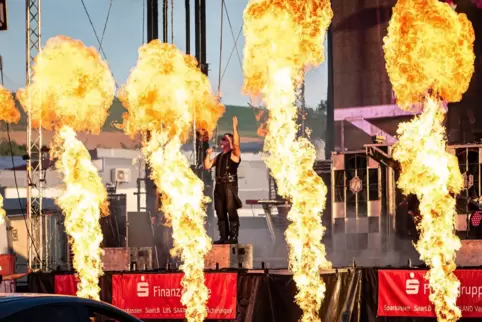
(35, 175)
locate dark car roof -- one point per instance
(11, 303)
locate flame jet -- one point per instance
(430, 59)
(9, 114)
(282, 38)
(72, 90)
(164, 94)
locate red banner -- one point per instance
(65, 284)
(405, 293)
(7, 264)
(158, 296)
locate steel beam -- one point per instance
(373, 112)
(35, 175)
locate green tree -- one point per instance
(15, 150)
(316, 120)
(322, 108)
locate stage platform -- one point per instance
(352, 294)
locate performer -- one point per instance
(226, 200)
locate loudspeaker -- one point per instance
(139, 230)
(114, 226)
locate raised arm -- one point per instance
(236, 140)
(16, 276)
(208, 162)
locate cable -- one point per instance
(231, 54)
(221, 47)
(235, 48)
(215, 138)
(98, 39)
(18, 193)
(232, 34)
(105, 24)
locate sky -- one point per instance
(125, 33)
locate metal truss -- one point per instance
(35, 175)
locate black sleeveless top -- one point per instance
(225, 166)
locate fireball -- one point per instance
(9, 114)
(283, 38)
(72, 90)
(165, 94)
(8, 111)
(429, 58)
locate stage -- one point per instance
(353, 294)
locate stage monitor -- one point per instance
(139, 230)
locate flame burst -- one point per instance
(2, 211)
(72, 90)
(282, 38)
(9, 114)
(165, 93)
(429, 55)
(8, 111)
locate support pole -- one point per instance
(152, 195)
(152, 20)
(165, 9)
(330, 113)
(35, 174)
(187, 4)
(202, 143)
(152, 202)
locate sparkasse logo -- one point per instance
(412, 285)
(143, 288)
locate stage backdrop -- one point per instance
(360, 77)
(239, 297)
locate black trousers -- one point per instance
(226, 204)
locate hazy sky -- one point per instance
(124, 34)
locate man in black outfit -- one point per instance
(226, 200)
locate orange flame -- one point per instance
(9, 114)
(72, 90)
(164, 95)
(262, 117)
(429, 55)
(282, 38)
(3, 214)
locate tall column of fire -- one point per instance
(164, 94)
(282, 39)
(72, 90)
(9, 114)
(430, 60)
